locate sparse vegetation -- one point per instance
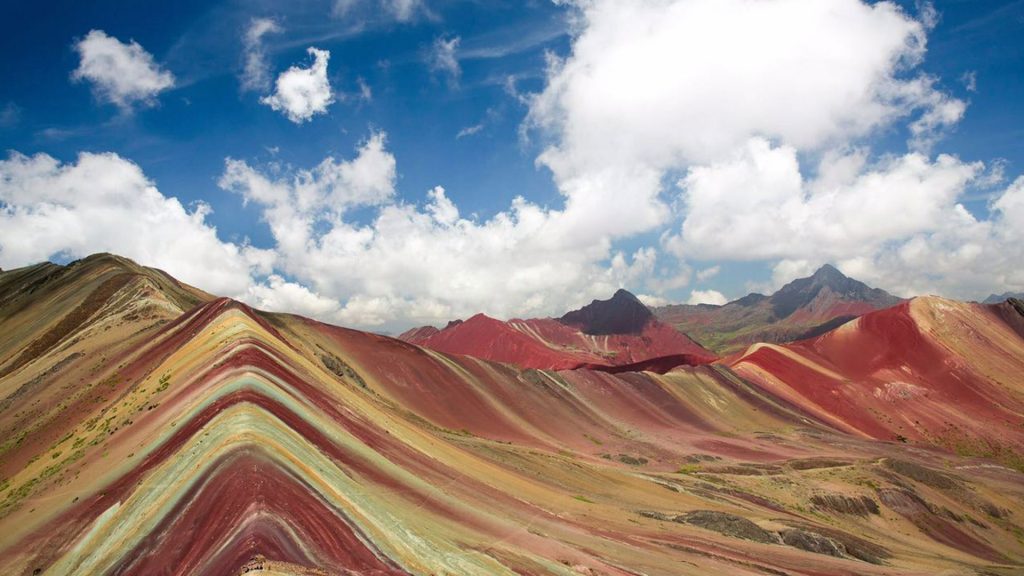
(632, 460)
(341, 368)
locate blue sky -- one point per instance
(550, 110)
(205, 118)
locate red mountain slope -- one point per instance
(615, 332)
(932, 370)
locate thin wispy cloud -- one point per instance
(970, 81)
(365, 92)
(444, 59)
(256, 74)
(469, 131)
(492, 115)
(10, 115)
(514, 40)
(403, 11)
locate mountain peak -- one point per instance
(802, 291)
(624, 295)
(106, 260)
(826, 276)
(623, 313)
(829, 272)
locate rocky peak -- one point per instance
(803, 291)
(623, 313)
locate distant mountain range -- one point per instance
(803, 308)
(997, 298)
(605, 334)
(621, 331)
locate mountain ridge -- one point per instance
(997, 298)
(802, 308)
(222, 439)
(618, 331)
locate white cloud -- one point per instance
(10, 115)
(292, 207)
(404, 10)
(103, 202)
(343, 8)
(469, 131)
(970, 80)
(708, 273)
(1010, 210)
(365, 93)
(443, 59)
(511, 88)
(425, 263)
(280, 295)
(256, 70)
(491, 116)
(726, 70)
(122, 74)
(300, 93)
(336, 185)
(399, 10)
(707, 297)
(654, 87)
(652, 301)
(927, 13)
(994, 176)
(742, 99)
(408, 263)
(940, 113)
(760, 197)
(441, 208)
(787, 270)
(898, 223)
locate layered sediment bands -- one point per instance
(218, 440)
(929, 370)
(242, 504)
(249, 403)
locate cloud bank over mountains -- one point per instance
(719, 128)
(103, 202)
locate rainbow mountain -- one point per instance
(150, 428)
